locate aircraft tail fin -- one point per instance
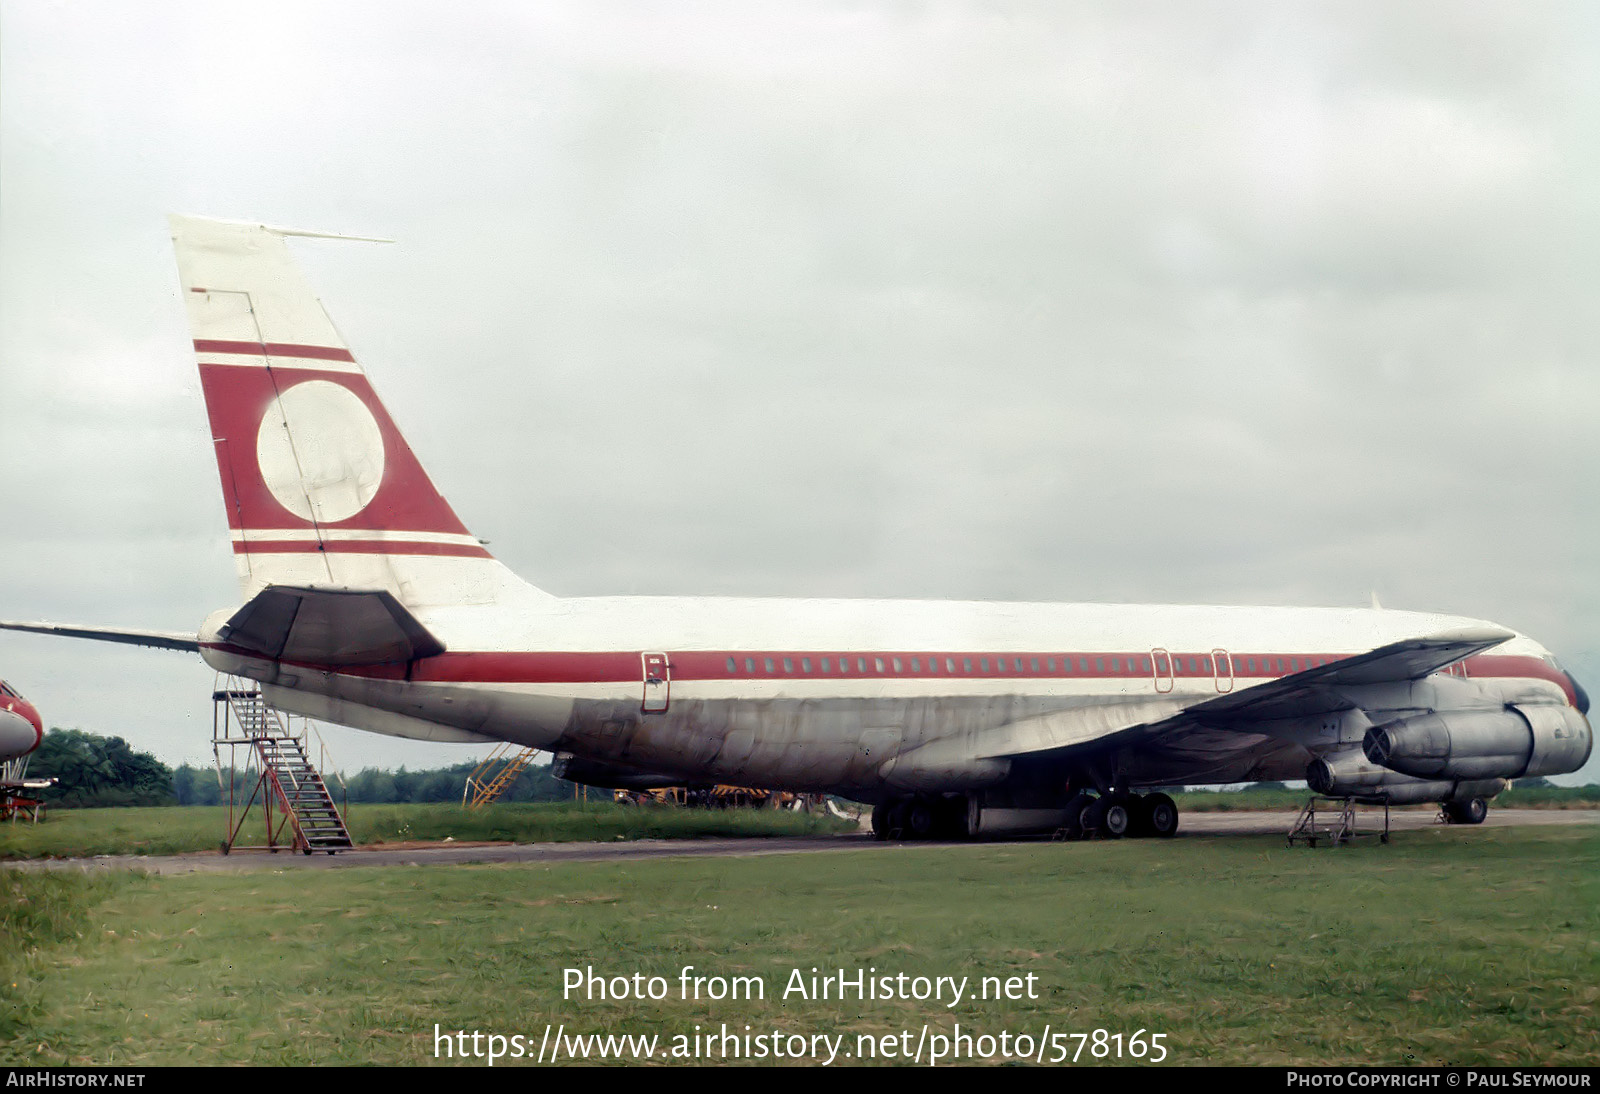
(322, 491)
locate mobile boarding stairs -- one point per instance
(297, 810)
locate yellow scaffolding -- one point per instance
(486, 783)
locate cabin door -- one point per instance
(657, 682)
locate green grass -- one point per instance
(1228, 801)
(72, 833)
(1449, 945)
(36, 913)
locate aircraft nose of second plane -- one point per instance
(18, 735)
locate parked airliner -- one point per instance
(366, 602)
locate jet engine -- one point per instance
(1483, 744)
(1349, 774)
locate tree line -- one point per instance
(95, 771)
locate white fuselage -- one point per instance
(821, 694)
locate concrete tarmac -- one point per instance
(1191, 825)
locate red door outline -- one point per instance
(1220, 659)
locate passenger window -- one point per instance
(825, 666)
(805, 664)
(983, 664)
(749, 664)
(1016, 664)
(861, 664)
(949, 664)
(1083, 664)
(877, 663)
(788, 665)
(966, 665)
(770, 666)
(1050, 665)
(733, 666)
(1100, 664)
(915, 666)
(1250, 665)
(897, 665)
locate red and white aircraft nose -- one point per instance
(18, 734)
(21, 729)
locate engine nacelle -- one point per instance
(1483, 744)
(1349, 774)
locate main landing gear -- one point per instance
(920, 818)
(1116, 815)
(1467, 812)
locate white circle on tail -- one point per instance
(320, 451)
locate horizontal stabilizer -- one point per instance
(329, 627)
(166, 640)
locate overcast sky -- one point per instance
(1223, 303)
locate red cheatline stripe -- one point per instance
(355, 547)
(273, 349)
(564, 667)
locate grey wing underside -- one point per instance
(1192, 731)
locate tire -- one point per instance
(1094, 818)
(920, 820)
(1467, 812)
(1077, 806)
(897, 820)
(880, 821)
(1139, 814)
(951, 822)
(1161, 816)
(1117, 818)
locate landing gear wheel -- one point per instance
(1116, 818)
(1139, 812)
(898, 819)
(1094, 816)
(880, 821)
(1467, 812)
(950, 819)
(920, 820)
(1072, 826)
(1161, 816)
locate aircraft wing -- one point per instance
(1316, 690)
(329, 627)
(1311, 691)
(165, 640)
